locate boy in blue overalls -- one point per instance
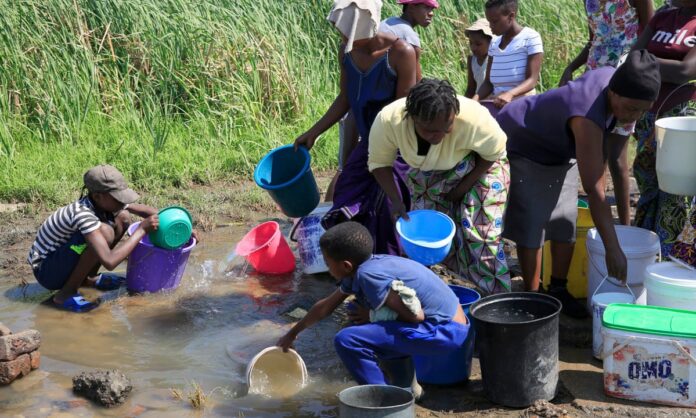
(434, 324)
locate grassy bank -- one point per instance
(176, 92)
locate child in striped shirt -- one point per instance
(77, 239)
(515, 56)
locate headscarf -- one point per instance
(638, 77)
(356, 19)
(430, 3)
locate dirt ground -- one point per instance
(580, 393)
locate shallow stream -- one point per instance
(203, 333)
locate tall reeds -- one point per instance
(174, 91)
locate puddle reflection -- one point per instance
(204, 332)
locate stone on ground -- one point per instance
(105, 387)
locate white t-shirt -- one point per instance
(401, 29)
(509, 66)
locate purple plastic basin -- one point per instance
(151, 269)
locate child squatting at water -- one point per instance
(404, 309)
(76, 240)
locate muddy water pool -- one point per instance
(205, 333)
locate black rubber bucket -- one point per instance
(517, 337)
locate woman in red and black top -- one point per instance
(671, 37)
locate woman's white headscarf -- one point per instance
(356, 19)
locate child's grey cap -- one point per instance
(481, 25)
(107, 178)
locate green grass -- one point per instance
(181, 92)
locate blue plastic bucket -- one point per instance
(455, 366)
(427, 236)
(287, 176)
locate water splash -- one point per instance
(223, 266)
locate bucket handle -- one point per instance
(657, 113)
(294, 229)
(681, 263)
(606, 278)
(618, 348)
(147, 254)
(629, 340)
(684, 351)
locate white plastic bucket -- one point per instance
(642, 248)
(676, 147)
(306, 232)
(671, 285)
(276, 374)
(600, 301)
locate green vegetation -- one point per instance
(176, 92)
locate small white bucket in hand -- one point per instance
(600, 301)
(641, 247)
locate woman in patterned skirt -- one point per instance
(456, 152)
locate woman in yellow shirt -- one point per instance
(456, 152)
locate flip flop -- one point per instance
(76, 303)
(109, 281)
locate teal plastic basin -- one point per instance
(175, 228)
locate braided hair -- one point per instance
(431, 98)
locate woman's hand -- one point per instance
(196, 235)
(149, 224)
(502, 99)
(307, 139)
(358, 314)
(455, 195)
(566, 77)
(286, 341)
(616, 264)
(399, 211)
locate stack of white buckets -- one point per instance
(666, 284)
(642, 248)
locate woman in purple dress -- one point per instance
(376, 69)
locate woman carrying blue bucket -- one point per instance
(456, 152)
(376, 68)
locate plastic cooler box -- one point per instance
(649, 354)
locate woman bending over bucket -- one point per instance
(456, 152)
(556, 135)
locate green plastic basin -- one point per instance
(175, 227)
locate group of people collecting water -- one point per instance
(502, 160)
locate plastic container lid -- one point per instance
(650, 320)
(672, 274)
(608, 298)
(633, 241)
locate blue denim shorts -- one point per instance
(56, 268)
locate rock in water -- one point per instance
(106, 387)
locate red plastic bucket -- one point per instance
(266, 249)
